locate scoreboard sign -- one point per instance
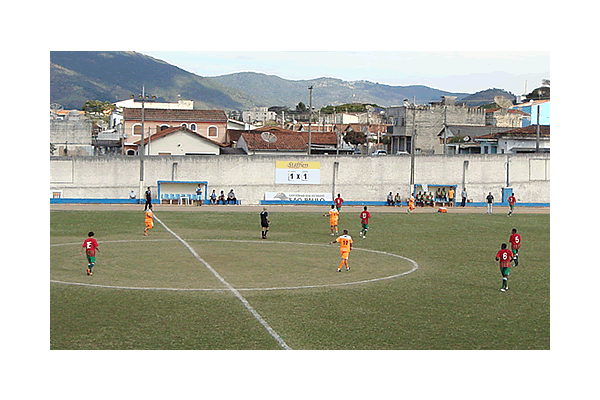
(298, 172)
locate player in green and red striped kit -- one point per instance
(505, 256)
(515, 245)
(90, 245)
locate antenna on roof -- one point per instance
(268, 137)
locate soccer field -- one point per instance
(206, 280)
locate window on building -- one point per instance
(213, 131)
(193, 127)
(137, 129)
(184, 125)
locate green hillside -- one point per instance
(270, 90)
(77, 76)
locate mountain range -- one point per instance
(77, 76)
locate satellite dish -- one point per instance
(268, 137)
(503, 102)
(56, 107)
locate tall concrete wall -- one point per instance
(357, 178)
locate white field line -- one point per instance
(414, 268)
(231, 288)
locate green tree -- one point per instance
(301, 107)
(355, 138)
(97, 109)
(350, 107)
(541, 93)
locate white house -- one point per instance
(520, 140)
(181, 141)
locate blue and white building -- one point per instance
(532, 108)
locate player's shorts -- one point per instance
(333, 223)
(345, 255)
(365, 226)
(91, 259)
(264, 224)
(505, 271)
(149, 224)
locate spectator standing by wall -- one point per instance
(199, 194)
(490, 203)
(463, 194)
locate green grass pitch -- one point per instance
(152, 293)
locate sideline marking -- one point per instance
(231, 288)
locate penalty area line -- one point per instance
(228, 286)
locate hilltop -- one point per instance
(77, 76)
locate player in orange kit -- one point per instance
(334, 217)
(345, 242)
(411, 203)
(148, 220)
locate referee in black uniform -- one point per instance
(264, 222)
(148, 195)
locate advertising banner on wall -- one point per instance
(288, 196)
(298, 172)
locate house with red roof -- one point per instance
(179, 141)
(211, 124)
(275, 140)
(519, 140)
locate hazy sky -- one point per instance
(464, 71)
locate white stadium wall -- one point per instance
(357, 178)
